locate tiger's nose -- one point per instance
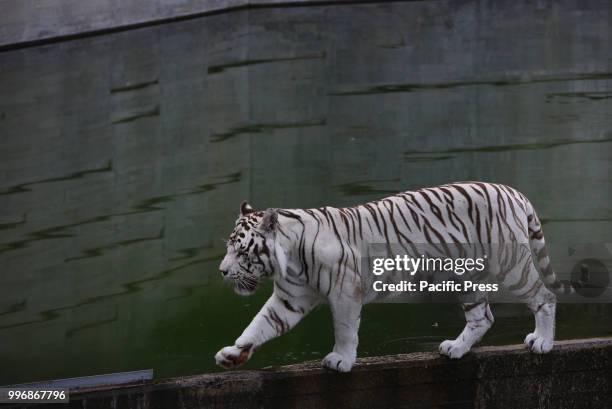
(223, 273)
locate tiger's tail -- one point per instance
(538, 246)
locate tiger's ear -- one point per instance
(269, 221)
(245, 209)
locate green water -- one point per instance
(124, 157)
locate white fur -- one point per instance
(281, 259)
(326, 279)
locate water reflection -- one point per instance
(125, 156)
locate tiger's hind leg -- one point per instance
(479, 319)
(525, 283)
(543, 306)
(522, 279)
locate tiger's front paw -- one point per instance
(233, 356)
(453, 349)
(337, 362)
(538, 344)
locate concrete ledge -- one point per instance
(32, 22)
(576, 374)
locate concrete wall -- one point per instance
(26, 21)
(576, 374)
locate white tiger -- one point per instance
(313, 256)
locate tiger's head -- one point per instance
(250, 249)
